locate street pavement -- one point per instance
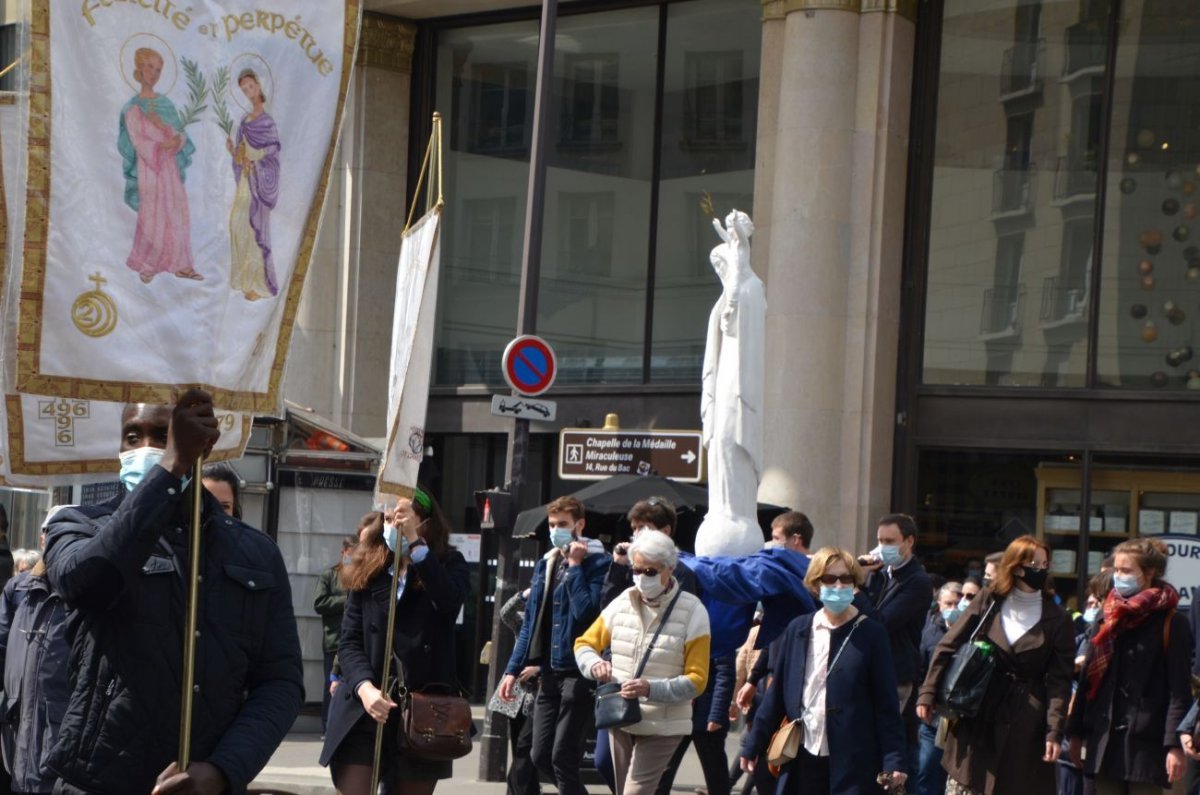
(293, 770)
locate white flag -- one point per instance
(178, 161)
(412, 354)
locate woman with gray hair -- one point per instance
(659, 638)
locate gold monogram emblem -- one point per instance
(94, 312)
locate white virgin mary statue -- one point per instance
(731, 403)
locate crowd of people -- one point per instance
(849, 673)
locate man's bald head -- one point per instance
(144, 425)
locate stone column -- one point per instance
(836, 208)
(338, 362)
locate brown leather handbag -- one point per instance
(435, 722)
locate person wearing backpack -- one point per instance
(1012, 743)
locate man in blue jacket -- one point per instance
(564, 600)
(121, 567)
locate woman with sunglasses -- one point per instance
(835, 675)
(659, 637)
(1012, 745)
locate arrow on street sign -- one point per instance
(689, 456)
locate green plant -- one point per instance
(220, 84)
(197, 91)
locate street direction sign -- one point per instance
(524, 408)
(529, 365)
(588, 454)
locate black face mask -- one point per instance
(1035, 578)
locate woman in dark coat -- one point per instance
(1134, 689)
(1013, 744)
(435, 582)
(848, 707)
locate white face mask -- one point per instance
(650, 586)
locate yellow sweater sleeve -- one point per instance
(591, 644)
(695, 661)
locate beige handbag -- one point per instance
(785, 743)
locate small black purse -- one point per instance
(614, 711)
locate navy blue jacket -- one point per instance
(36, 684)
(931, 636)
(900, 603)
(424, 643)
(712, 706)
(121, 567)
(574, 605)
(862, 721)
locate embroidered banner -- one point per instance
(178, 161)
(412, 354)
(51, 437)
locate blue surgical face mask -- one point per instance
(1126, 584)
(1091, 614)
(836, 599)
(561, 537)
(890, 554)
(346, 559)
(963, 604)
(951, 614)
(137, 463)
(390, 537)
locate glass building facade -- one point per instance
(653, 109)
(1057, 279)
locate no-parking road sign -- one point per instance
(529, 365)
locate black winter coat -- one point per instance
(424, 638)
(1133, 745)
(900, 603)
(122, 567)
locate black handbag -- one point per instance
(612, 709)
(965, 683)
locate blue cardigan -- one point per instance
(863, 724)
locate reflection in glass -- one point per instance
(485, 82)
(1150, 254)
(591, 305)
(601, 156)
(709, 115)
(1014, 189)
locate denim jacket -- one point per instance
(575, 604)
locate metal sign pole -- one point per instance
(493, 748)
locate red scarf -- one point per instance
(1121, 614)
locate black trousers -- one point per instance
(563, 717)
(809, 775)
(710, 747)
(522, 775)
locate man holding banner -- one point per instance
(121, 566)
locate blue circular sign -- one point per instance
(529, 365)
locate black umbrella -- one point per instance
(607, 502)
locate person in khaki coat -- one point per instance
(1013, 744)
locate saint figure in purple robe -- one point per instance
(256, 171)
